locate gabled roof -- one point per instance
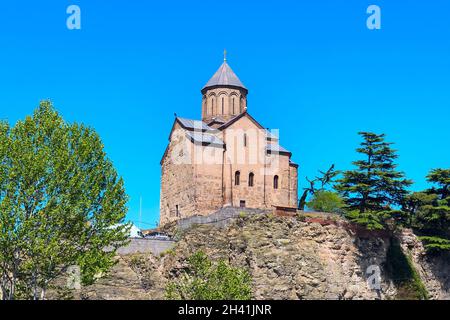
(270, 135)
(291, 163)
(216, 120)
(224, 77)
(205, 139)
(276, 148)
(196, 125)
(233, 120)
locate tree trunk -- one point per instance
(302, 201)
(43, 292)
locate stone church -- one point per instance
(225, 159)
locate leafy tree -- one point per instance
(325, 179)
(204, 280)
(327, 201)
(414, 203)
(60, 197)
(432, 213)
(375, 188)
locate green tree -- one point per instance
(414, 204)
(204, 280)
(327, 201)
(432, 214)
(325, 179)
(375, 188)
(61, 203)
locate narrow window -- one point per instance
(223, 105)
(234, 111)
(251, 177)
(245, 139)
(237, 178)
(177, 211)
(275, 182)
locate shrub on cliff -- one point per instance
(326, 201)
(429, 211)
(205, 280)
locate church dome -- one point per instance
(224, 77)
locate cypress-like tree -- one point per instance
(375, 188)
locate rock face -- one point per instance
(288, 258)
(434, 270)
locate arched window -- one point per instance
(209, 108)
(245, 139)
(237, 178)
(234, 111)
(223, 105)
(275, 182)
(251, 178)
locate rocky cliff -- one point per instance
(315, 257)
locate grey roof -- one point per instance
(224, 77)
(217, 120)
(276, 148)
(194, 124)
(204, 139)
(270, 135)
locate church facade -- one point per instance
(225, 159)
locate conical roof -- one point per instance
(224, 77)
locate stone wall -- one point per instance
(208, 186)
(153, 246)
(242, 158)
(220, 218)
(177, 180)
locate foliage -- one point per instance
(405, 276)
(371, 220)
(325, 179)
(435, 243)
(429, 211)
(327, 201)
(60, 203)
(374, 189)
(204, 280)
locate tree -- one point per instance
(327, 201)
(414, 203)
(325, 179)
(432, 214)
(60, 199)
(375, 188)
(204, 280)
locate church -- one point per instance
(225, 159)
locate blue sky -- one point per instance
(313, 69)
